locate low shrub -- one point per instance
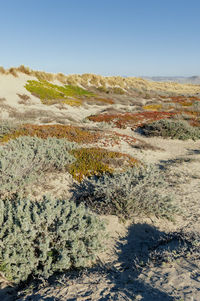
(174, 129)
(40, 238)
(25, 159)
(7, 127)
(139, 191)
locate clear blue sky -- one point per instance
(108, 37)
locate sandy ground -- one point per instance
(147, 259)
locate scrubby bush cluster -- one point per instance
(40, 238)
(174, 129)
(137, 191)
(25, 159)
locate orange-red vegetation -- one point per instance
(123, 120)
(72, 133)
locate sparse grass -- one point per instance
(13, 72)
(103, 89)
(24, 99)
(2, 70)
(117, 90)
(96, 161)
(173, 129)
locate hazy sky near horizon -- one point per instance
(108, 37)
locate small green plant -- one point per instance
(135, 192)
(25, 159)
(178, 129)
(40, 238)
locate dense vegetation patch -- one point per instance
(123, 120)
(40, 238)
(139, 191)
(96, 161)
(174, 129)
(25, 159)
(68, 94)
(51, 94)
(72, 133)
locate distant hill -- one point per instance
(195, 80)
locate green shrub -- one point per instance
(25, 159)
(138, 191)
(180, 129)
(40, 238)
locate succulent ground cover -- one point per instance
(72, 95)
(96, 161)
(50, 93)
(133, 120)
(72, 133)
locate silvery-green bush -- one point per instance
(139, 191)
(174, 129)
(25, 159)
(40, 238)
(7, 126)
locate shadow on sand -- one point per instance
(135, 249)
(133, 253)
